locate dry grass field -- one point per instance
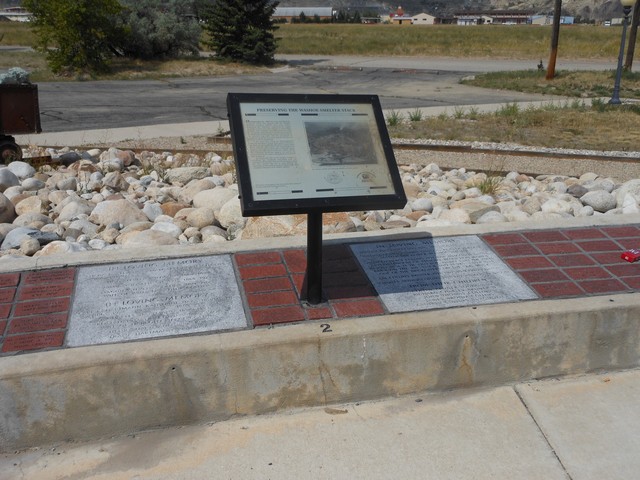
(572, 126)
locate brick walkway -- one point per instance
(559, 263)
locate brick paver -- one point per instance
(555, 263)
(571, 262)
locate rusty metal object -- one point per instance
(19, 113)
(19, 109)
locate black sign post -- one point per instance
(312, 154)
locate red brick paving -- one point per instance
(34, 341)
(7, 294)
(5, 310)
(273, 290)
(584, 261)
(9, 279)
(38, 323)
(34, 307)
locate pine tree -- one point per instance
(242, 30)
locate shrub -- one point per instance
(159, 29)
(394, 118)
(415, 115)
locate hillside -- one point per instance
(587, 9)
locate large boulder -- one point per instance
(214, 198)
(600, 200)
(117, 211)
(231, 214)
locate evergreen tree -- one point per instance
(242, 30)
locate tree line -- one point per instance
(85, 35)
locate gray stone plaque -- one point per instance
(444, 272)
(130, 301)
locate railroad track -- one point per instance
(533, 162)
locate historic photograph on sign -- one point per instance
(340, 143)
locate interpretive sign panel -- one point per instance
(299, 153)
(432, 273)
(130, 301)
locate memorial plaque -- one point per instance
(131, 301)
(444, 272)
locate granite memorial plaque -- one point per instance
(444, 272)
(130, 301)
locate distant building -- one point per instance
(548, 20)
(424, 19)
(289, 13)
(15, 14)
(401, 18)
(494, 17)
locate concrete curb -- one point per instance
(136, 254)
(88, 393)
(99, 391)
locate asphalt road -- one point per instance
(399, 82)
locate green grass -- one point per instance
(16, 33)
(568, 125)
(566, 83)
(489, 41)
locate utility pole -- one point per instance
(633, 32)
(551, 68)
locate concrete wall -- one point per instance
(87, 393)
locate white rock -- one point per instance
(585, 211)
(213, 231)
(553, 205)
(632, 187)
(600, 200)
(184, 175)
(492, 217)
(59, 247)
(193, 187)
(152, 210)
(32, 219)
(32, 184)
(421, 204)
(74, 208)
(231, 214)
(457, 215)
(214, 198)
(516, 215)
(147, 238)
(21, 170)
(167, 227)
(98, 244)
(630, 204)
(201, 217)
(117, 211)
(29, 246)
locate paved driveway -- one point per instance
(400, 82)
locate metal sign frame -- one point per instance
(299, 153)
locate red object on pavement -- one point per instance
(632, 255)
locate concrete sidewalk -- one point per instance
(579, 428)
